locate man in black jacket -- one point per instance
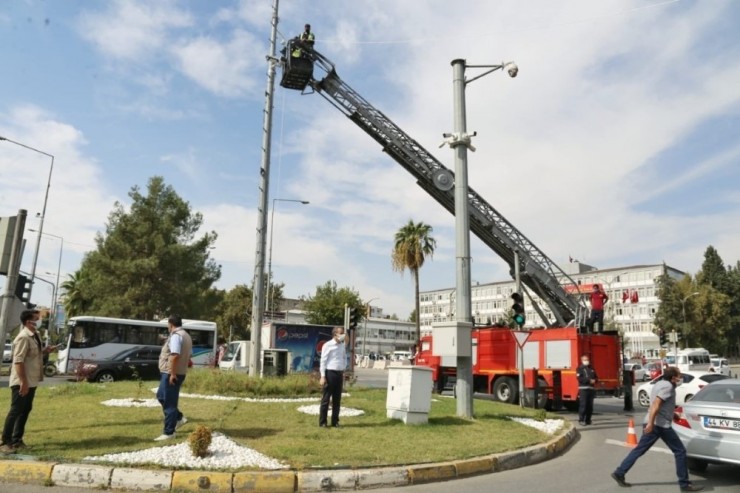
(586, 392)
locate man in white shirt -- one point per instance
(333, 364)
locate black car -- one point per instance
(140, 362)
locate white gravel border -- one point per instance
(249, 399)
(549, 426)
(131, 402)
(224, 453)
(344, 412)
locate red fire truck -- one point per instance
(551, 351)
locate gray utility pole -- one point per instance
(520, 350)
(459, 141)
(258, 297)
(12, 277)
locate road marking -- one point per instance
(652, 449)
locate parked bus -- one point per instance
(101, 337)
(689, 359)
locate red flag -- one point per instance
(625, 296)
(634, 298)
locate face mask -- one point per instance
(341, 337)
(37, 324)
(585, 362)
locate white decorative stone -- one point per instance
(343, 411)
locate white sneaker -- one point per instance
(181, 423)
(164, 437)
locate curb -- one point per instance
(104, 477)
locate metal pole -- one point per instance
(463, 307)
(56, 288)
(43, 211)
(520, 352)
(258, 289)
(269, 257)
(12, 277)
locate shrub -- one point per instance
(209, 381)
(200, 440)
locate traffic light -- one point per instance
(662, 336)
(518, 308)
(354, 318)
(23, 290)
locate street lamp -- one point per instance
(364, 329)
(683, 310)
(270, 294)
(43, 211)
(460, 142)
(59, 269)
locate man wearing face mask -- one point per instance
(586, 392)
(26, 372)
(333, 364)
(657, 424)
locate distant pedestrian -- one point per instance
(26, 371)
(331, 369)
(173, 366)
(587, 379)
(221, 351)
(598, 300)
(658, 425)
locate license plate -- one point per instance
(722, 423)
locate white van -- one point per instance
(689, 359)
(719, 365)
(400, 355)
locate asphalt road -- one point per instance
(585, 467)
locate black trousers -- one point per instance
(20, 408)
(586, 404)
(333, 391)
(596, 316)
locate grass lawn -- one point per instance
(68, 423)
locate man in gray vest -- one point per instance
(173, 365)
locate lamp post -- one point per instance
(683, 311)
(460, 142)
(271, 291)
(364, 329)
(43, 211)
(59, 269)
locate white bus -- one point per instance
(689, 359)
(89, 338)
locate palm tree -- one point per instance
(412, 245)
(74, 301)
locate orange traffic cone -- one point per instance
(631, 435)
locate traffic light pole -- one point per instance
(520, 352)
(12, 278)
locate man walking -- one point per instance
(333, 364)
(26, 372)
(657, 425)
(173, 365)
(598, 300)
(587, 379)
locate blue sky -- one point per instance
(617, 143)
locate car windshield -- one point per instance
(713, 377)
(729, 393)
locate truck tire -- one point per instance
(505, 390)
(542, 400)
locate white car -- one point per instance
(7, 353)
(693, 382)
(720, 365)
(640, 374)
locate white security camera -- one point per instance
(512, 68)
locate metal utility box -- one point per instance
(452, 339)
(275, 362)
(409, 395)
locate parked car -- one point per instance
(134, 363)
(7, 353)
(692, 383)
(654, 369)
(641, 374)
(709, 425)
(720, 365)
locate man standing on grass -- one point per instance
(333, 364)
(658, 425)
(26, 372)
(173, 365)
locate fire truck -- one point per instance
(560, 303)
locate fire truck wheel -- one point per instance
(505, 390)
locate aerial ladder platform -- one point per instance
(538, 273)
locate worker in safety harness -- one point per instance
(306, 38)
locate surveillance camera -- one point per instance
(512, 69)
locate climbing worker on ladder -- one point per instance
(306, 38)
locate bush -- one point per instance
(200, 440)
(209, 381)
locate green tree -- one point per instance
(671, 292)
(150, 262)
(708, 320)
(713, 271)
(733, 334)
(412, 244)
(326, 306)
(235, 313)
(74, 300)
(412, 315)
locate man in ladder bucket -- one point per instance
(306, 38)
(658, 425)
